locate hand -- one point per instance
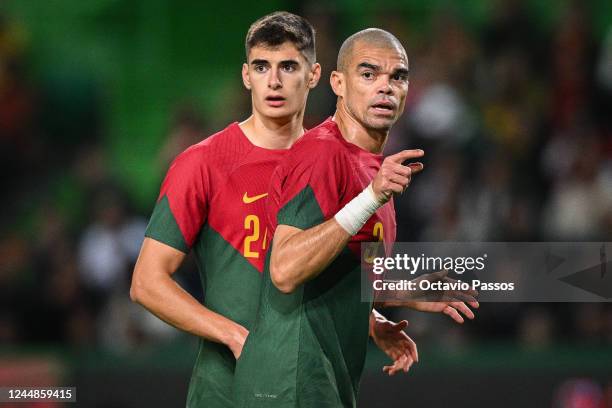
(236, 338)
(450, 302)
(393, 176)
(394, 342)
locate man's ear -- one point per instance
(314, 75)
(337, 82)
(246, 79)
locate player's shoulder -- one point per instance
(211, 148)
(321, 142)
(231, 134)
(321, 149)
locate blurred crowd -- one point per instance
(517, 130)
(515, 120)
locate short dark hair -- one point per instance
(274, 29)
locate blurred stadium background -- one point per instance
(511, 100)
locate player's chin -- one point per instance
(279, 113)
(383, 123)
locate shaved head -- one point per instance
(374, 37)
(371, 80)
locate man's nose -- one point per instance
(385, 86)
(274, 81)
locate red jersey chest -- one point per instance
(238, 210)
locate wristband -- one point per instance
(353, 216)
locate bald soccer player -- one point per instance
(329, 194)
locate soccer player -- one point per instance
(331, 192)
(212, 202)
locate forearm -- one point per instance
(163, 297)
(396, 298)
(305, 253)
(412, 304)
(301, 255)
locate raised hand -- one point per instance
(394, 177)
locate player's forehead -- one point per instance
(285, 51)
(387, 57)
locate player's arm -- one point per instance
(452, 308)
(154, 288)
(453, 303)
(294, 259)
(300, 255)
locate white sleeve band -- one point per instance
(353, 216)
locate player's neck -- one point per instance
(354, 132)
(273, 133)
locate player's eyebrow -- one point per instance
(367, 65)
(289, 62)
(401, 71)
(259, 62)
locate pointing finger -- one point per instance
(405, 155)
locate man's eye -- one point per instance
(368, 75)
(288, 68)
(400, 77)
(260, 68)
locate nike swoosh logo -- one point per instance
(248, 200)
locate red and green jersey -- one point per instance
(307, 348)
(212, 201)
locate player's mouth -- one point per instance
(275, 101)
(385, 108)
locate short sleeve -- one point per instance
(308, 186)
(182, 205)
